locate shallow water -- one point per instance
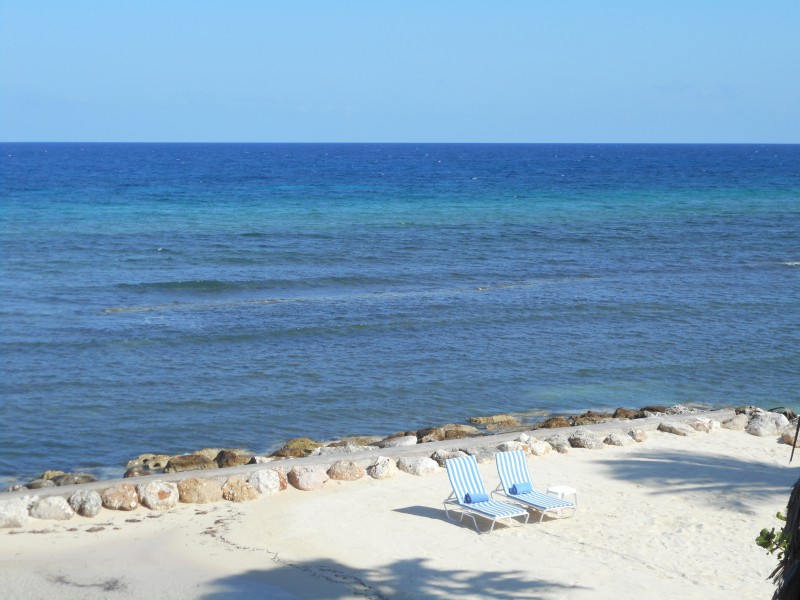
(168, 297)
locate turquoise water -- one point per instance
(169, 297)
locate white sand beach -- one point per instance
(672, 517)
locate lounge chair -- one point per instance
(469, 496)
(516, 486)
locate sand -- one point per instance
(672, 517)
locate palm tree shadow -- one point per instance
(723, 481)
(411, 579)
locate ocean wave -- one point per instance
(791, 263)
(219, 286)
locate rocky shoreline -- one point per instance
(160, 482)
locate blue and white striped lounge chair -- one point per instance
(469, 496)
(516, 486)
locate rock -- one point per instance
(260, 460)
(73, 479)
(618, 439)
(763, 424)
(554, 423)
(232, 458)
(406, 440)
(747, 410)
(704, 425)
(137, 472)
(210, 453)
(680, 409)
(190, 462)
(122, 496)
(382, 468)
(540, 447)
(52, 507)
(451, 431)
(559, 442)
(590, 418)
(524, 438)
(158, 495)
(346, 471)
(626, 413)
(297, 448)
(418, 465)
(199, 491)
(440, 456)
(237, 489)
(502, 420)
(50, 474)
(345, 449)
(268, 481)
(308, 478)
(483, 454)
(358, 440)
(513, 446)
(86, 503)
(653, 409)
(676, 428)
(736, 423)
(637, 435)
(37, 484)
(17, 487)
(14, 511)
(583, 438)
(154, 462)
(788, 438)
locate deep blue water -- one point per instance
(169, 297)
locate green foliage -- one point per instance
(772, 541)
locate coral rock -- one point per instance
(308, 478)
(237, 489)
(382, 468)
(194, 490)
(346, 471)
(158, 495)
(52, 507)
(86, 503)
(120, 497)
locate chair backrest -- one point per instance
(464, 476)
(512, 468)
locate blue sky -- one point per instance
(382, 71)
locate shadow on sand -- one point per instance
(721, 480)
(411, 579)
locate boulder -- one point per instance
(766, 423)
(232, 458)
(703, 425)
(418, 465)
(626, 413)
(358, 440)
(737, 422)
(494, 422)
(14, 511)
(483, 454)
(50, 474)
(559, 442)
(210, 453)
(680, 409)
(190, 462)
(637, 435)
(582, 438)
(440, 456)
(382, 468)
(346, 471)
(618, 439)
(589, 418)
(37, 484)
(554, 423)
(406, 440)
(194, 490)
(268, 481)
(308, 478)
(653, 410)
(237, 489)
(297, 448)
(154, 462)
(122, 496)
(86, 503)
(513, 446)
(260, 460)
(158, 495)
(344, 449)
(52, 507)
(676, 428)
(451, 431)
(540, 447)
(524, 438)
(73, 479)
(788, 438)
(137, 472)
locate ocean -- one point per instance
(169, 297)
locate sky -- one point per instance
(383, 71)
